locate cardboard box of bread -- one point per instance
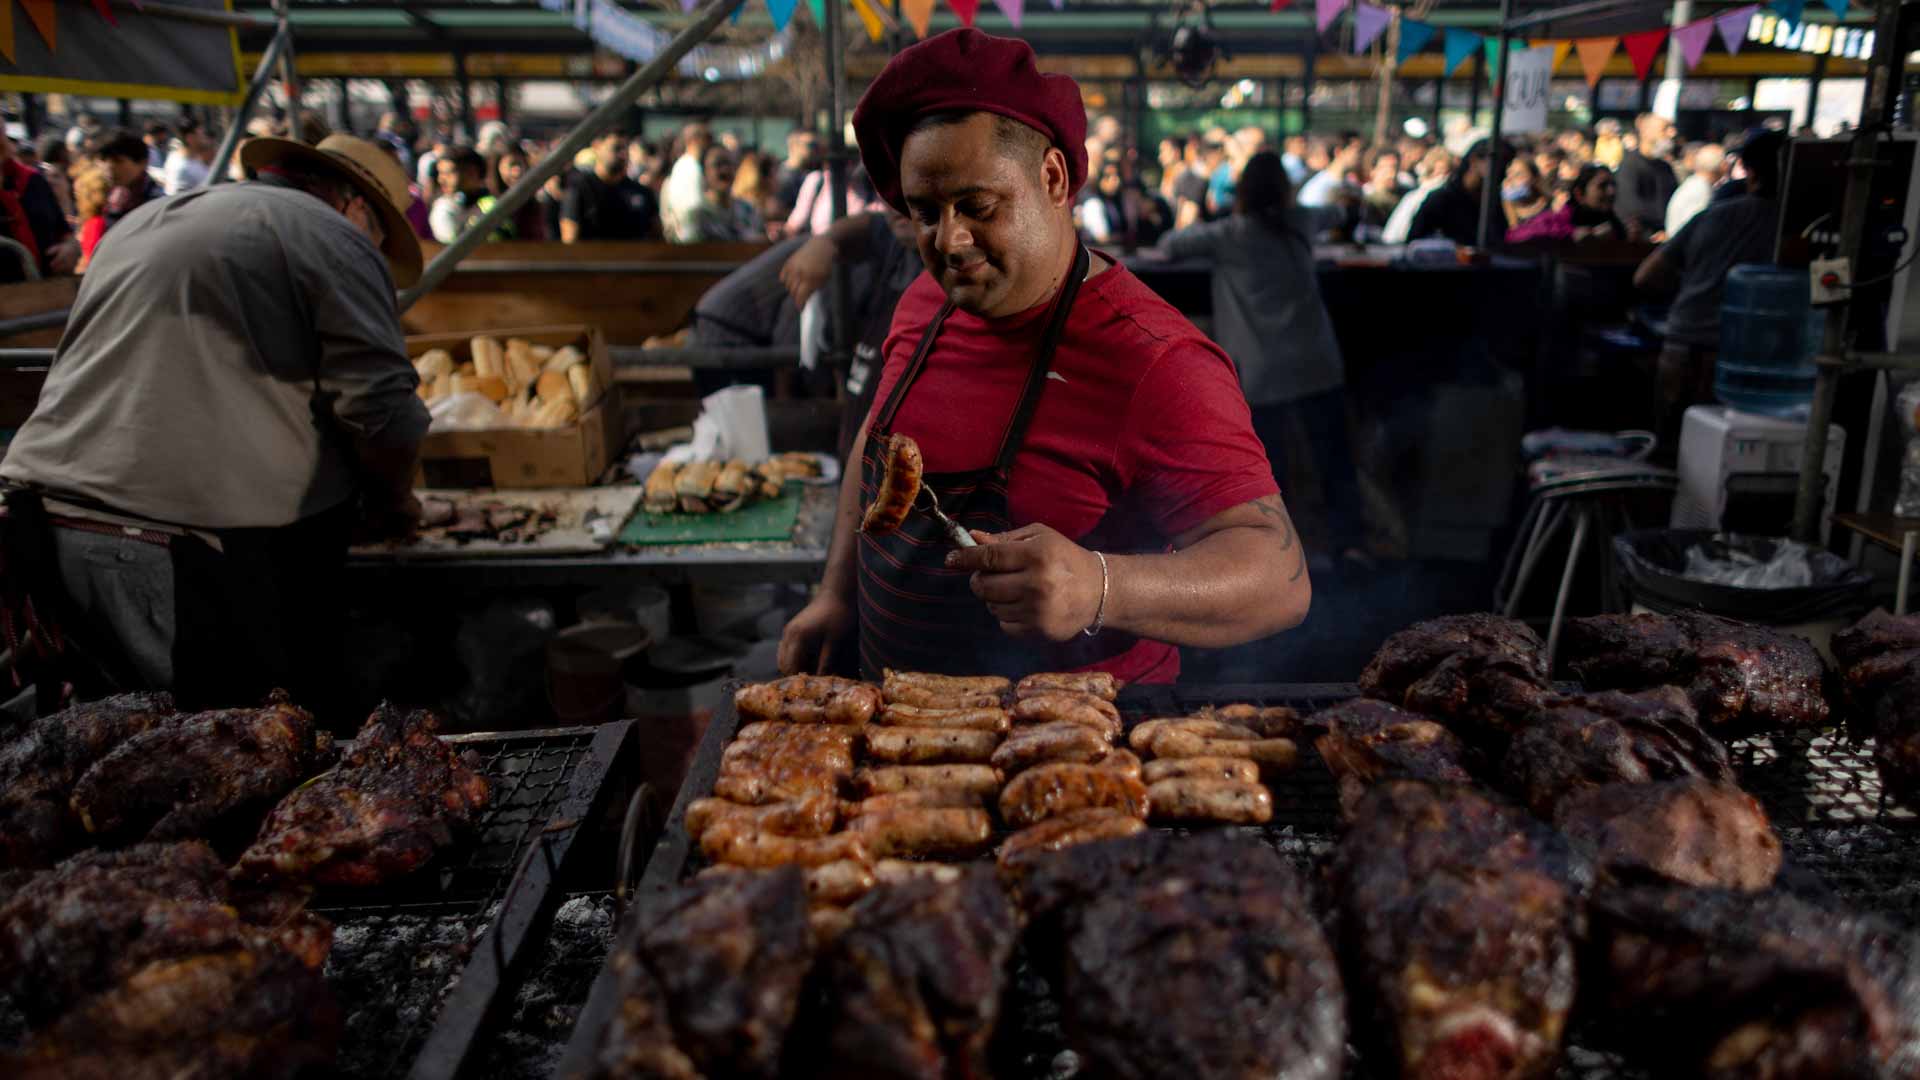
(553, 423)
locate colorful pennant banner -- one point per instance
(1693, 39)
(1642, 48)
(1494, 66)
(1560, 50)
(1281, 5)
(965, 10)
(869, 18)
(1325, 11)
(1460, 44)
(1838, 7)
(40, 14)
(1594, 54)
(1733, 27)
(1012, 9)
(1414, 36)
(781, 12)
(1368, 23)
(918, 14)
(1790, 10)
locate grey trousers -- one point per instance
(122, 589)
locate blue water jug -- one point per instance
(1769, 335)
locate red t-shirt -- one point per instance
(1141, 434)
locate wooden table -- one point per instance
(1901, 534)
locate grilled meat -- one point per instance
(982, 780)
(802, 817)
(41, 762)
(1195, 799)
(397, 796)
(1691, 831)
(1100, 684)
(207, 772)
(1369, 741)
(924, 830)
(1065, 706)
(1710, 983)
(1455, 917)
(1050, 790)
(1739, 677)
(1038, 744)
(738, 843)
(1895, 723)
(1032, 845)
(912, 986)
(1610, 737)
(809, 699)
(1481, 674)
(719, 969)
(238, 1011)
(1193, 957)
(1875, 652)
(1207, 727)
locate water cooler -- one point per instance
(1739, 471)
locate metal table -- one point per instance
(799, 561)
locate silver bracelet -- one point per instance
(1100, 615)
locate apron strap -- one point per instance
(883, 420)
(1043, 362)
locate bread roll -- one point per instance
(564, 359)
(433, 363)
(466, 384)
(494, 388)
(489, 358)
(557, 413)
(580, 378)
(522, 368)
(552, 386)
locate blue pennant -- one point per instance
(1464, 43)
(1414, 36)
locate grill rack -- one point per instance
(1820, 788)
(500, 891)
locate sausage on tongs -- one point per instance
(900, 472)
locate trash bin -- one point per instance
(1653, 566)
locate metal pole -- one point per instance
(289, 78)
(1861, 162)
(1306, 85)
(560, 157)
(1478, 80)
(1490, 184)
(190, 14)
(837, 296)
(261, 76)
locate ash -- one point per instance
(390, 973)
(532, 1036)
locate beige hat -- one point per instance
(367, 167)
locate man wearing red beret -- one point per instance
(1096, 444)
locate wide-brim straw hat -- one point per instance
(371, 170)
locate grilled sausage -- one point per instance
(761, 788)
(913, 799)
(945, 700)
(973, 719)
(930, 745)
(1190, 799)
(753, 755)
(1073, 827)
(1042, 743)
(923, 831)
(839, 883)
(805, 734)
(900, 472)
(900, 871)
(1271, 754)
(942, 684)
(1051, 790)
(1270, 721)
(1122, 761)
(1202, 768)
(743, 845)
(1100, 684)
(798, 817)
(1143, 734)
(982, 780)
(809, 699)
(1059, 705)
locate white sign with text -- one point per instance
(1529, 75)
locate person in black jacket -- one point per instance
(1453, 211)
(1647, 180)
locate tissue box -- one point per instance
(571, 456)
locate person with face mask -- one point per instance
(1095, 444)
(1588, 213)
(1646, 178)
(231, 401)
(1523, 196)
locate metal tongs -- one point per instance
(958, 535)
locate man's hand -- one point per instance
(808, 269)
(811, 642)
(64, 256)
(397, 518)
(1036, 582)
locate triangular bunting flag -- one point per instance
(1643, 48)
(819, 9)
(1693, 39)
(1594, 54)
(876, 29)
(1733, 27)
(1325, 11)
(1012, 9)
(1278, 5)
(964, 9)
(1459, 45)
(1414, 36)
(1368, 22)
(1789, 10)
(6, 31)
(1560, 50)
(919, 13)
(107, 13)
(1059, 4)
(1492, 47)
(687, 6)
(781, 12)
(1839, 6)
(40, 13)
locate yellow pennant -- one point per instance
(870, 18)
(919, 13)
(1560, 50)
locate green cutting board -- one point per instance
(770, 520)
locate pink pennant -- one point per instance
(1368, 23)
(964, 10)
(1325, 11)
(1693, 38)
(1012, 9)
(1733, 27)
(688, 5)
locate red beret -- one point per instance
(965, 70)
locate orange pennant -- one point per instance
(870, 18)
(919, 13)
(1594, 54)
(6, 31)
(40, 13)
(1560, 50)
